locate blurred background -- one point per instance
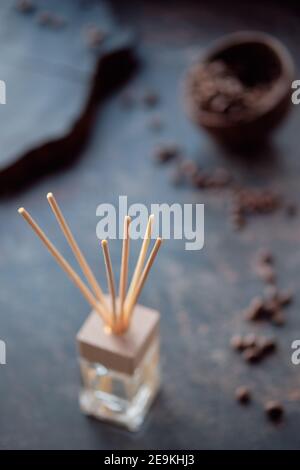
(96, 108)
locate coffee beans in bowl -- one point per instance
(241, 89)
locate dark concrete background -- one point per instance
(200, 295)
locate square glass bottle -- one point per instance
(120, 373)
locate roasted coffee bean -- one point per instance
(277, 299)
(266, 256)
(243, 395)
(25, 6)
(44, 18)
(94, 36)
(256, 201)
(267, 345)
(291, 209)
(252, 355)
(268, 309)
(150, 98)
(188, 168)
(200, 180)
(219, 178)
(274, 410)
(256, 309)
(285, 298)
(58, 21)
(237, 343)
(166, 152)
(278, 318)
(253, 348)
(238, 221)
(52, 20)
(250, 340)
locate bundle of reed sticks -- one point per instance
(118, 314)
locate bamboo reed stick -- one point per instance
(134, 298)
(76, 250)
(66, 266)
(124, 268)
(110, 280)
(141, 260)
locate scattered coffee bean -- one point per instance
(285, 297)
(266, 257)
(243, 395)
(237, 343)
(200, 180)
(25, 6)
(278, 318)
(249, 201)
(220, 178)
(270, 307)
(265, 310)
(267, 345)
(255, 201)
(274, 410)
(252, 347)
(46, 18)
(238, 221)
(189, 168)
(291, 209)
(216, 179)
(245, 201)
(58, 21)
(256, 309)
(252, 355)
(166, 152)
(94, 36)
(184, 171)
(150, 98)
(265, 267)
(250, 340)
(277, 299)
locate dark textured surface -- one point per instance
(200, 294)
(53, 64)
(58, 82)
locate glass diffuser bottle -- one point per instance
(119, 342)
(120, 373)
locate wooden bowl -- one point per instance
(263, 59)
